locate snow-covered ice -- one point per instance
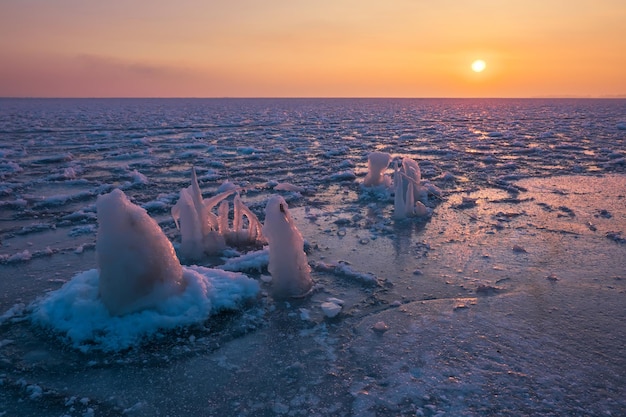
(505, 299)
(77, 313)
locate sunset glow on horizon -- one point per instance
(280, 48)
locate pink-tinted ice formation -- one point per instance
(377, 164)
(206, 233)
(409, 193)
(288, 265)
(137, 263)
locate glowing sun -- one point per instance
(479, 65)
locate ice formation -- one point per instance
(137, 263)
(243, 231)
(377, 164)
(203, 232)
(408, 190)
(139, 286)
(288, 265)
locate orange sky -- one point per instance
(321, 48)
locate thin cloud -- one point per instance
(115, 66)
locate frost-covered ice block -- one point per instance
(377, 164)
(137, 263)
(288, 265)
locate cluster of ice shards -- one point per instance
(205, 233)
(410, 195)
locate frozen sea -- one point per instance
(509, 300)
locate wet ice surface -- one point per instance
(508, 301)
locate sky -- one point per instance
(312, 48)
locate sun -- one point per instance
(479, 65)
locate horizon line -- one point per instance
(606, 96)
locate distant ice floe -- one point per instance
(285, 186)
(347, 175)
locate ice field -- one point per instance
(507, 298)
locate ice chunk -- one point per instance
(291, 274)
(380, 327)
(344, 270)
(189, 221)
(285, 186)
(331, 309)
(408, 190)
(227, 186)
(377, 164)
(137, 263)
(138, 178)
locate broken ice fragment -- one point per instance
(331, 309)
(380, 327)
(552, 277)
(519, 249)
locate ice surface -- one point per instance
(285, 186)
(465, 315)
(288, 265)
(137, 265)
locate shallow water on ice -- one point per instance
(508, 301)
